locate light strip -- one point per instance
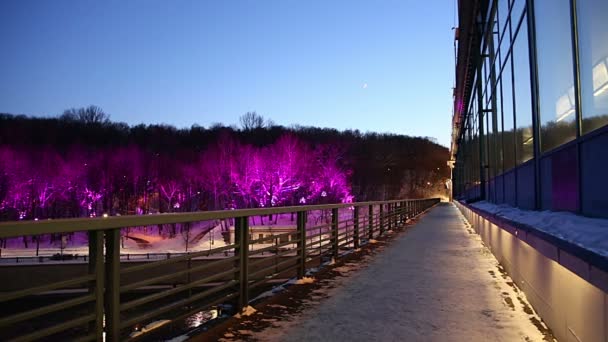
(563, 116)
(601, 90)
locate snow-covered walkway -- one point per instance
(436, 282)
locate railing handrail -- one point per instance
(50, 226)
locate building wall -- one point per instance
(567, 292)
(534, 134)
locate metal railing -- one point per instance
(110, 298)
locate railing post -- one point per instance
(96, 286)
(241, 234)
(112, 295)
(381, 216)
(301, 225)
(396, 214)
(371, 222)
(334, 232)
(356, 227)
(390, 214)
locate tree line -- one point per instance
(83, 164)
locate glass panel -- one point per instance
(490, 140)
(593, 54)
(503, 11)
(555, 74)
(523, 102)
(517, 9)
(508, 135)
(497, 130)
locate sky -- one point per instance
(381, 66)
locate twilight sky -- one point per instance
(384, 66)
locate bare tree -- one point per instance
(251, 120)
(89, 115)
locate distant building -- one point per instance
(531, 104)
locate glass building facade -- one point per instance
(531, 104)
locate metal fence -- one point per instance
(110, 298)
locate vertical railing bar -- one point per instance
(334, 232)
(356, 227)
(301, 229)
(371, 221)
(381, 217)
(112, 295)
(241, 234)
(96, 267)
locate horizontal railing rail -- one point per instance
(114, 297)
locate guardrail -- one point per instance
(110, 297)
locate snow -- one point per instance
(305, 280)
(246, 311)
(180, 338)
(436, 282)
(586, 232)
(153, 242)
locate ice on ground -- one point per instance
(586, 232)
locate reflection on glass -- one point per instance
(593, 54)
(523, 99)
(564, 107)
(555, 73)
(497, 133)
(600, 79)
(508, 135)
(503, 11)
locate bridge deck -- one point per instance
(436, 282)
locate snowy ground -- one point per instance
(202, 236)
(589, 233)
(436, 282)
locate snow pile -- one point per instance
(247, 311)
(586, 232)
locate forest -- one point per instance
(82, 164)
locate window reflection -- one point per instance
(593, 55)
(523, 99)
(555, 73)
(565, 105)
(600, 79)
(509, 127)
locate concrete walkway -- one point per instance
(436, 282)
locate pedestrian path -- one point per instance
(436, 282)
